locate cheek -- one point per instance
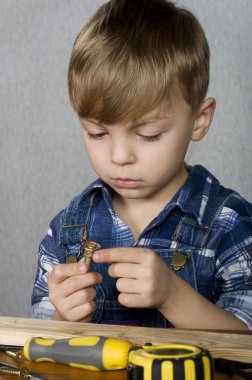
(165, 158)
(96, 158)
(93, 151)
(164, 153)
(94, 155)
(176, 146)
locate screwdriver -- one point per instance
(95, 353)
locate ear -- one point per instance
(203, 119)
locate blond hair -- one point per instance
(132, 54)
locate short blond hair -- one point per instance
(132, 54)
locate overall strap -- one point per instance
(189, 232)
(212, 212)
(73, 231)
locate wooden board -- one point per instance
(225, 344)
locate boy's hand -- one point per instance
(142, 277)
(145, 281)
(71, 292)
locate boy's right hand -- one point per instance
(71, 293)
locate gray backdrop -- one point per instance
(43, 163)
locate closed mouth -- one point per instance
(126, 182)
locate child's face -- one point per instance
(143, 160)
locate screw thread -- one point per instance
(23, 372)
(9, 371)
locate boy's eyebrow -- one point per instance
(136, 123)
(96, 122)
(151, 120)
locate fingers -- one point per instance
(135, 293)
(138, 263)
(63, 271)
(81, 313)
(83, 296)
(130, 300)
(72, 284)
(122, 255)
(117, 270)
(73, 300)
(134, 300)
(73, 276)
(79, 307)
(87, 310)
(71, 292)
(142, 277)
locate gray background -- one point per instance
(43, 163)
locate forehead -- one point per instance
(169, 109)
(175, 104)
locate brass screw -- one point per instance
(17, 355)
(23, 373)
(90, 248)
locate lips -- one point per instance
(126, 183)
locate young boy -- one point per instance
(176, 246)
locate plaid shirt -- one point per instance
(225, 261)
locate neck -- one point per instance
(137, 213)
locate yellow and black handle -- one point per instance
(170, 362)
(95, 353)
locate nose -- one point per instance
(122, 152)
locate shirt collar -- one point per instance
(105, 190)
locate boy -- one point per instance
(176, 246)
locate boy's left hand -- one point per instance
(145, 281)
(142, 277)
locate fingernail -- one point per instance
(96, 256)
(81, 266)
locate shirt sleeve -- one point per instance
(234, 262)
(48, 256)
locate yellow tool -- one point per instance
(96, 353)
(170, 362)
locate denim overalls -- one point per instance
(188, 236)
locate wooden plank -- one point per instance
(228, 345)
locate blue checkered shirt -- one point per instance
(225, 261)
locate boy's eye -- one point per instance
(150, 138)
(96, 135)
